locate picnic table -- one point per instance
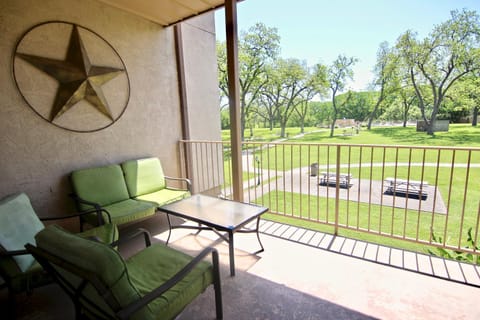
(330, 178)
(406, 188)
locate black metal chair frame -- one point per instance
(80, 301)
(12, 253)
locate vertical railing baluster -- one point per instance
(349, 165)
(327, 186)
(309, 173)
(300, 213)
(422, 178)
(370, 190)
(248, 155)
(284, 190)
(337, 192)
(465, 192)
(267, 148)
(276, 177)
(394, 193)
(317, 183)
(359, 185)
(452, 169)
(291, 180)
(382, 192)
(405, 214)
(437, 172)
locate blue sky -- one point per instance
(318, 30)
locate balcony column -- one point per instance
(234, 97)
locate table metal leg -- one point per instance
(231, 253)
(258, 236)
(169, 228)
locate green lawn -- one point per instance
(265, 135)
(459, 135)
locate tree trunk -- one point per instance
(475, 116)
(370, 120)
(282, 129)
(332, 128)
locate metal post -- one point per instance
(258, 169)
(337, 191)
(234, 97)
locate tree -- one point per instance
(287, 79)
(257, 47)
(386, 80)
(465, 96)
(449, 53)
(337, 74)
(407, 97)
(317, 85)
(358, 105)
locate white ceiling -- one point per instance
(166, 12)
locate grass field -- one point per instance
(458, 135)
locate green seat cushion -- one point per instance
(164, 196)
(106, 233)
(18, 226)
(143, 176)
(155, 265)
(102, 185)
(125, 211)
(92, 257)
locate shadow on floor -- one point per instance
(245, 296)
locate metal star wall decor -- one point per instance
(78, 80)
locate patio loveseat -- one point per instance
(128, 191)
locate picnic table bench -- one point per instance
(407, 188)
(330, 178)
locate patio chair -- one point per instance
(18, 226)
(158, 282)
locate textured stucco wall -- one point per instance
(201, 72)
(37, 157)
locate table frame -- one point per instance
(218, 229)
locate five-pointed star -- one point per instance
(77, 78)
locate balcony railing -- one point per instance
(422, 195)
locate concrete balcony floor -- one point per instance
(298, 279)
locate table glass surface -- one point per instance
(224, 213)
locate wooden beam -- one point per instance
(234, 97)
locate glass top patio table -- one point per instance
(216, 214)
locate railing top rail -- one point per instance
(338, 144)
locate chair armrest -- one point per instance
(187, 181)
(83, 201)
(146, 299)
(12, 253)
(79, 214)
(97, 207)
(129, 236)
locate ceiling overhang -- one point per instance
(166, 12)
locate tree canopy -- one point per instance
(437, 76)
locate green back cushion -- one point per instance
(103, 185)
(143, 176)
(18, 226)
(91, 256)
